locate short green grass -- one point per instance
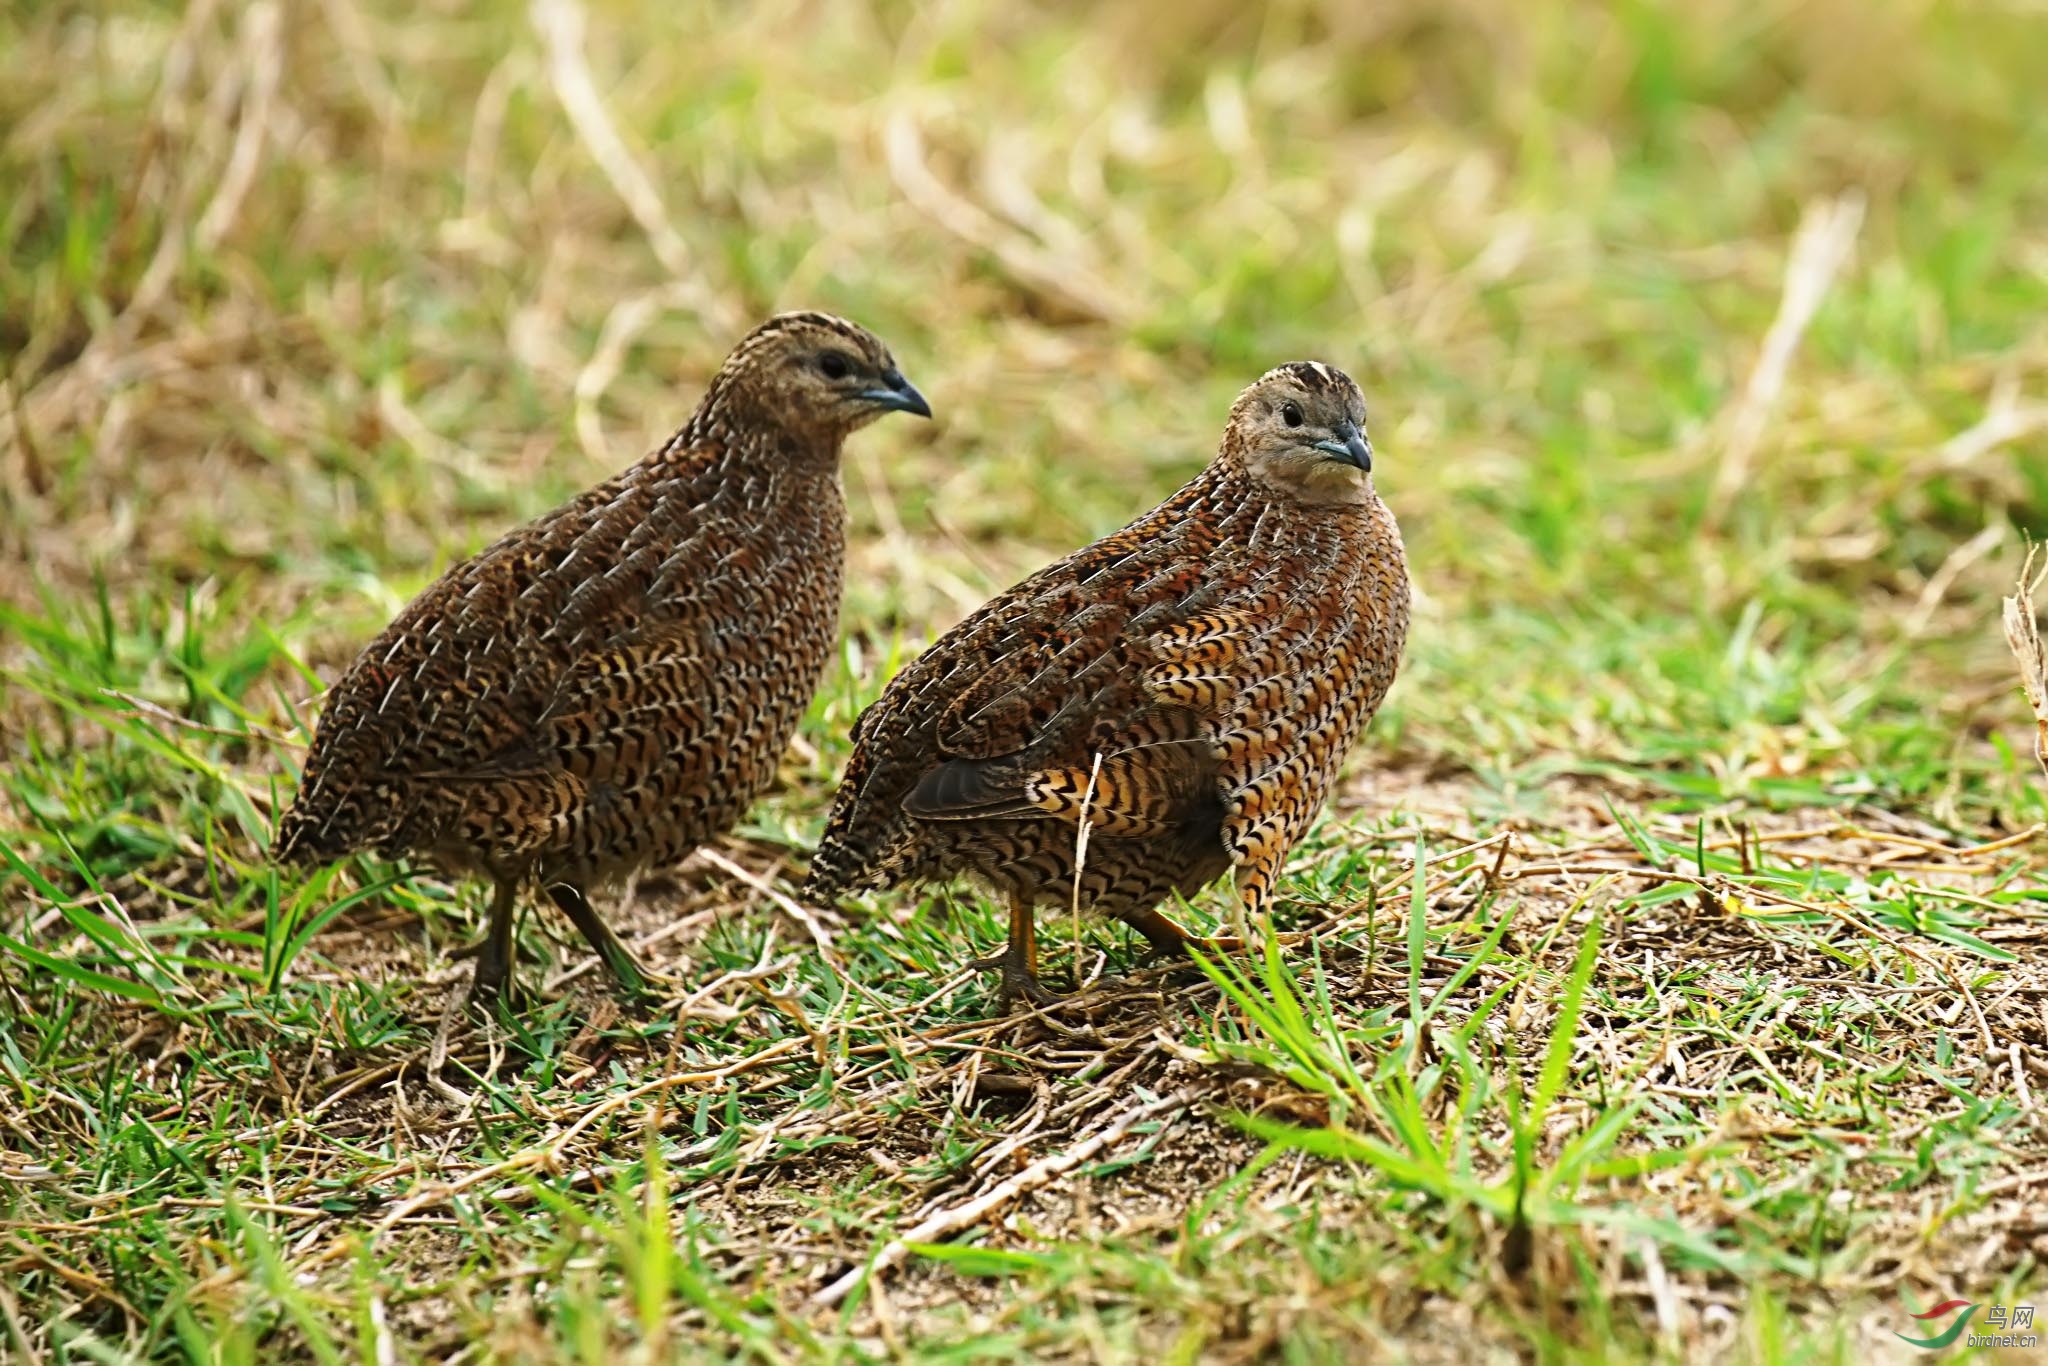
(1664, 985)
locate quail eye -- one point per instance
(834, 365)
(1291, 414)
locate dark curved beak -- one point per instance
(1353, 450)
(897, 395)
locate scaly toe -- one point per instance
(1022, 987)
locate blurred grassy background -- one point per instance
(304, 302)
(300, 302)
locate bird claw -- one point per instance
(489, 990)
(632, 982)
(1019, 982)
(644, 997)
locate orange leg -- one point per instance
(1018, 962)
(1169, 940)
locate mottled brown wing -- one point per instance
(459, 688)
(963, 724)
(444, 687)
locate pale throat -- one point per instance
(1313, 481)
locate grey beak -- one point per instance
(1354, 450)
(898, 395)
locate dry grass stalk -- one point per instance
(2006, 419)
(2023, 634)
(950, 1221)
(561, 25)
(1827, 232)
(263, 48)
(1045, 273)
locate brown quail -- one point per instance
(608, 687)
(1187, 686)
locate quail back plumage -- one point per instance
(1188, 685)
(610, 686)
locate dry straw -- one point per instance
(2023, 633)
